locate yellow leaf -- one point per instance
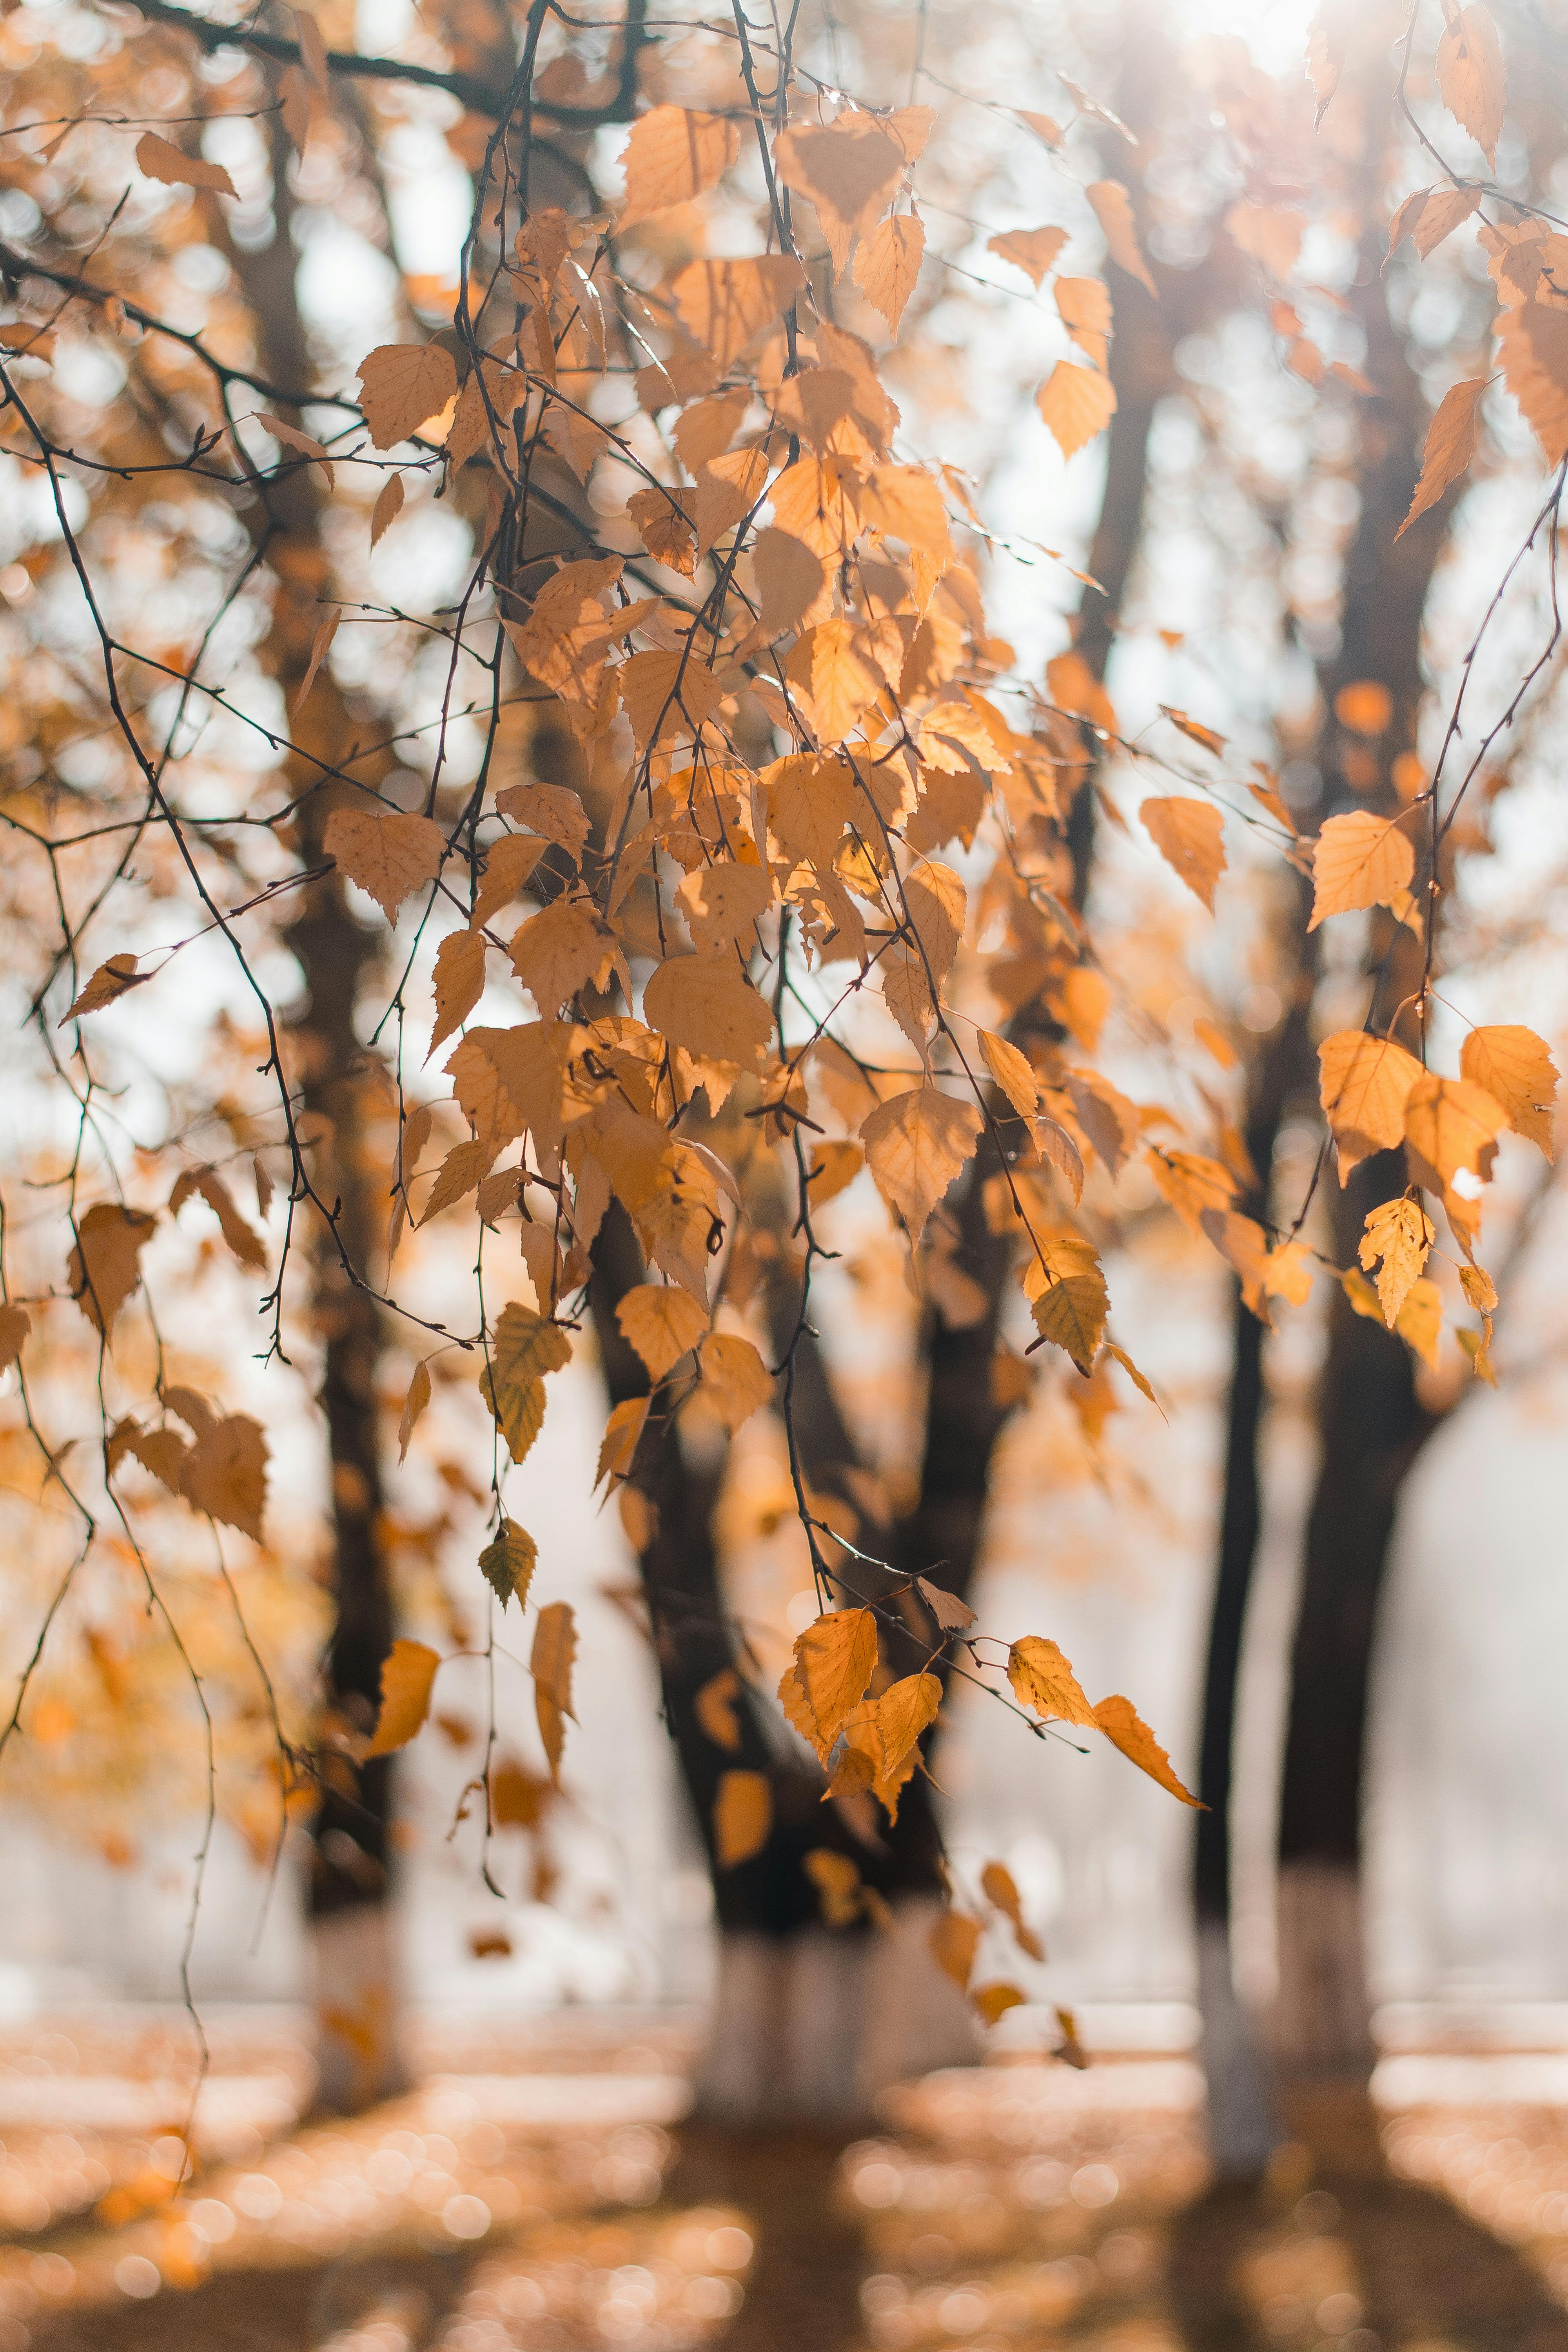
(728, 488)
(1122, 1725)
(1066, 1295)
(406, 1674)
(1477, 1345)
(623, 1434)
(789, 577)
(888, 265)
(1042, 1678)
(161, 161)
(1366, 705)
(1400, 1232)
(1032, 250)
(837, 1882)
(564, 948)
(1269, 232)
(1479, 1288)
(403, 386)
(1243, 1246)
(459, 980)
(915, 1146)
(1085, 309)
(662, 1322)
(833, 1659)
(1365, 1084)
(672, 156)
(735, 1381)
(955, 1940)
(1359, 860)
(1013, 1072)
(844, 685)
(1190, 836)
(386, 510)
(992, 2001)
(507, 1564)
(1471, 80)
(1289, 1274)
(1113, 208)
(1077, 404)
(524, 1349)
(388, 856)
(848, 171)
(1362, 1297)
(110, 981)
(1192, 1183)
(998, 1886)
(705, 1004)
(667, 694)
(103, 1267)
(555, 1648)
(665, 524)
(714, 1708)
(808, 802)
(886, 1730)
(1450, 445)
(224, 1473)
(1515, 1066)
(414, 1404)
(833, 1167)
(743, 1817)
(1451, 1124)
(725, 303)
(1420, 1321)
(1532, 344)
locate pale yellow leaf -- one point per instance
(725, 303)
(1113, 208)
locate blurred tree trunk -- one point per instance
(350, 1858)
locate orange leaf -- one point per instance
(1077, 402)
(161, 161)
(406, 1674)
(735, 1381)
(1032, 250)
(1122, 1725)
(1365, 1084)
(915, 1146)
(1113, 208)
(388, 856)
(1450, 445)
(888, 265)
(110, 981)
(1190, 836)
(1042, 1679)
(1471, 80)
(714, 1708)
(1359, 860)
(1515, 1066)
(403, 386)
(672, 156)
(834, 1659)
(103, 1267)
(663, 1324)
(555, 1648)
(725, 303)
(743, 1817)
(704, 1003)
(1532, 344)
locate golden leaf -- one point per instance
(999, 1886)
(403, 386)
(837, 1882)
(110, 981)
(714, 1708)
(886, 1729)
(224, 1473)
(507, 1563)
(1364, 1086)
(728, 488)
(665, 527)
(1066, 1295)
(844, 685)
(1013, 1072)
(1190, 836)
(623, 1434)
(735, 1381)
(992, 2001)
(161, 161)
(386, 510)
(524, 1349)
(743, 1817)
(915, 1146)
(672, 156)
(564, 948)
(832, 1168)
(1122, 1725)
(955, 1940)
(1400, 1232)
(1289, 1274)
(1515, 1066)
(459, 980)
(833, 1659)
(1471, 77)
(414, 1404)
(1450, 445)
(724, 303)
(1451, 1124)
(808, 802)
(407, 1672)
(1532, 344)
(1359, 860)
(555, 1648)
(1420, 1321)
(790, 579)
(1032, 250)
(209, 1186)
(509, 863)
(1243, 1246)
(1113, 209)
(388, 856)
(102, 1268)
(889, 264)
(1192, 1183)
(1042, 1678)
(663, 1324)
(1077, 404)
(665, 693)
(848, 171)
(1194, 730)
(705, 1004)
